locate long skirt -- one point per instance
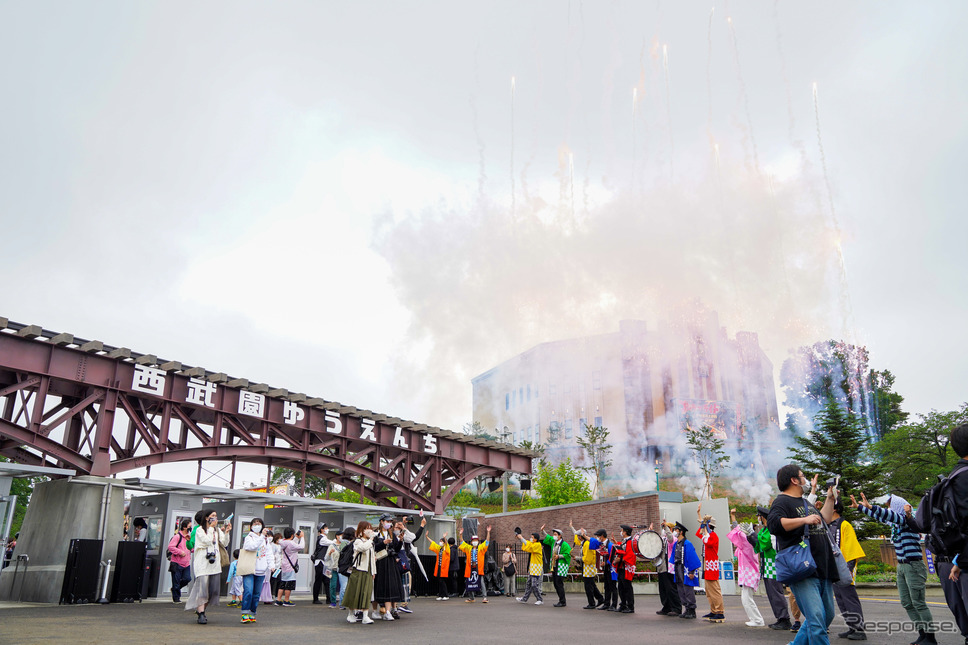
(388, 586)
(359, 590)
(204, 592)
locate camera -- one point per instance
(210, 556)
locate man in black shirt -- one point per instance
(790, 517)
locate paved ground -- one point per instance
(500, 621)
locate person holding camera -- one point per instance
(290, 549)
(206, 563)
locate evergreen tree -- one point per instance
(707, 449)
(593, 440)
(839, 446)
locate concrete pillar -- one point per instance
(59, 511)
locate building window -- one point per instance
(581, 425)
(521, 395)
(507, 401)
(537, 434)
(598, 422)
(529, 392)
(596, 380)
(529, 434)
(568, 429)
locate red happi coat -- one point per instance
(627, 552)
(710, 555)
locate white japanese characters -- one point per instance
(149, 380)
(292, 413)
(200, 392)
(252, 404)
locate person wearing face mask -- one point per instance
(509, 565)
(359, 588)
(407, 559)
(535, 566)
(181, 560)
(560, 560)
(252, 565)
(764, 544)
(474, 564)
(605, 550)
(626, 553)
(793, 520)
(710, 558)
(441, 565)
(912, 574)
(685, 565)
(388, 585)
(747, 568)
(321, 573)
(668, 594)
(205, 563)
(589, 572)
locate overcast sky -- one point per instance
(319, 195)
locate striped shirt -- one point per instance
(907, 543)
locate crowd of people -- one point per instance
(800, 549)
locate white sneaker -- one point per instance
(446, 598)
(377, 615)
(351, 617)
(387, 616)
(753, 624)
(538, 602)
(521, 600)
(366, 619)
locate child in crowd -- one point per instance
(235, 582)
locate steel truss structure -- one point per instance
(101, 410)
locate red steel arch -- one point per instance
(101, 410)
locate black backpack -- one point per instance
(939, 520)
(345, 564)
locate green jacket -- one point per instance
(764, 546)
(564, 554)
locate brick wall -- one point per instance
(641, 509)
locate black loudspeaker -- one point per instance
(493, 486)
(525, 484)
(81, 572)
(129, 572)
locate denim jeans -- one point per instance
(180, 577)
(334, 588)
(815, 598)
(251, 590)
(343, 581)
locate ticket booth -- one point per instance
(299, 518)
(163, 513)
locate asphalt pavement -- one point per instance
(502, 620)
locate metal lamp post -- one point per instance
(657, 465)
(504, 477)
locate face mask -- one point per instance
(256, 528)
(474, 543)
(386, 525)
(396, 531)
(508, 550)
(676, 534)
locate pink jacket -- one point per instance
(748, 563)
(180, 554)
(290, 548)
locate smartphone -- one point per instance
(228, 519)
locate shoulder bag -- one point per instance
(246, 563)
(846, 577)
(295, 566)
(796, 563)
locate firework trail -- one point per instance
(512, 148)
(482, 172)
(709, 73)
(786, 81)
(743, 94)
(672, 142)
(846, 306)
(571, 181)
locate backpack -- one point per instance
(938, 518)
(168, 551)
(345, 564)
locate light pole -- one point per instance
(658, 464)
(504, 478)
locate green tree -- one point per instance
(23, 488)
(916, 453)
(561, 484)
(707, 450)
(315, 486)
(839, 445)
(888, 414)
(593, 440)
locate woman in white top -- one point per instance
(206, 563)
(359, 589)
(253, 566)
